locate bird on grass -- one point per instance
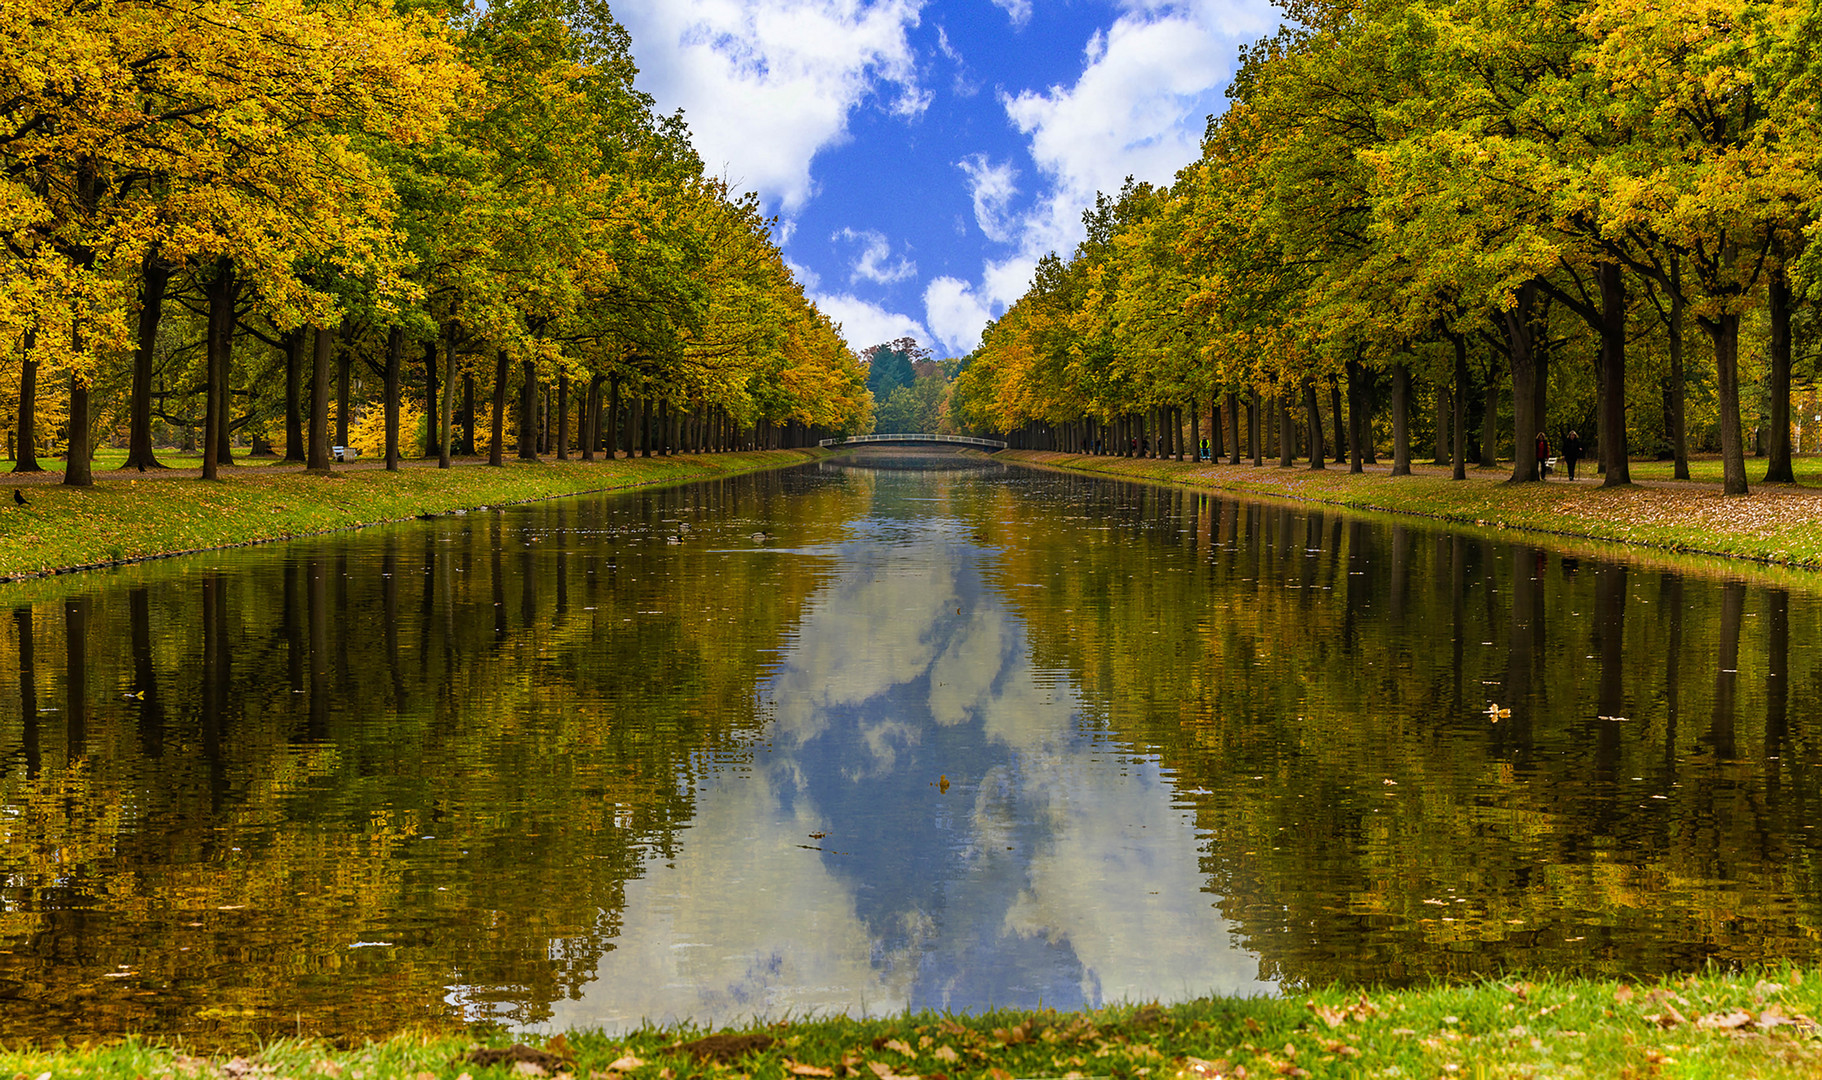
(19, 497)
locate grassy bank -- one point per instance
(1778, 524)
(127, 517)
(1756, 1024)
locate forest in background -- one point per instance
(429, 228)
(1467, 220)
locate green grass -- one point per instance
(1779, 525)
(1757, 1024)
(126, 517)
(1807, 468)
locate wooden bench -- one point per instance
(345, 453)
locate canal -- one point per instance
(890, 731)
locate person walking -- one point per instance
(1543, 457)
(1572, 452)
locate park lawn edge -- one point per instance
(1756, 1023)
(120, 521)
(1488, 507)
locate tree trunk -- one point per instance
(1233, 424)
(613, 418)
(1195, 431)
(1777, 382)
(433, 412)
(154, 275)
(528, 411)
(562, 415)
(1287, 434)
(1335, 411)
(467, 409)
(1401, 420)
(1613, 377)
(1489, 421)
(297, 343)
(222, 292)
(591, 418)
(445, 428)
(1318, 449)
(77, 470)
(26, 458)
(1524, 389)
(1725, 330)
(1255, 423)
(1356, 457)
(1460, 426)
(1441, 455)
(395, 365)
(1674, 423)
(319, 460)
(496, 454)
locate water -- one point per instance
(935, 737)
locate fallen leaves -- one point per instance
(724, 1047)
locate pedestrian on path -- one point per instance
(1572, 452)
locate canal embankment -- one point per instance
(1776, 524)
(1758, 1024)
(128, 517)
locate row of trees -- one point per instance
(216, 212)
(1414, 200)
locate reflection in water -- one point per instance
(929, 826)
(868, 738)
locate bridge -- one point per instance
(954, 440)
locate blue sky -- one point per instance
(922, 155)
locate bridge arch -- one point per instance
(911, 438)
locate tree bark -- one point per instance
(1341, 450)
(223, 293)
(1489, 421)
(1674, 423)
(1524, 389)
(1725, 331)
(297, 342)
(445, 434)
(467, 409)
(26, 459)
(319, 460)
(562, 415)
(1233, 423)
(395, 364)
(1195, 431)
(613, 417)
(1287, 435)
(433, 412)
(1318, 449)
(1356, 459)
(1777, 382)
(496, 454)
(1613, 377)
(1460, 426)
(1401, 419)
(154, 275)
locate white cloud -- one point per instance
(766, 84)
(1019, 11)
(874, 263)
(956, 312)
(808, 278)
(992, 187)
(1138, 109)
(865, 323)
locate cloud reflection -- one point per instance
(1053, 870)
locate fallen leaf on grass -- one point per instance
(798, 1068)
(1623, 996)
(1727, 1021)
(884, 1071)
(724, 1047)
(899, 1045)
(1198, 1069)
(516, 1055)
(625, 1063)
(946, 1054)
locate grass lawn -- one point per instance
(1740, 1025)
(1707, 469)
(1777, 524)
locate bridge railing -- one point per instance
(911, 437)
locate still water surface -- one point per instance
(864, 738)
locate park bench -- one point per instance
(345, 453)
